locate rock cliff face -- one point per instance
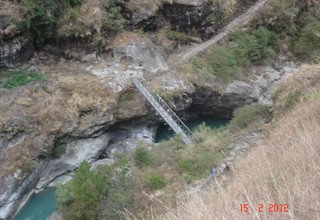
(15, 47)
(21, 141)
(200, 18)
(81, 110)
(15, 187)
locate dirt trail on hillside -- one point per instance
(241, 20)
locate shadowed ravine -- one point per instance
(42, 205)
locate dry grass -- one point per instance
(84, 21)
(283, 169)
(124, 38)
(9, 8)
(144, 6)
(306, 83)
(229, 6)
(45, 110)
(165, 161)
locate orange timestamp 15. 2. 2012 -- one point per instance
(272, 207)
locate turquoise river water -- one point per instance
(41, 205)
(165, 132)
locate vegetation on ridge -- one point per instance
(244, 49)
(157, 174)
(164, 169)
(283, 170)
(250, 116)
(52, 20)
(149, 177)
(16, 78)
(285, 27)
(178, 36)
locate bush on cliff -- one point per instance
(245, 48)
(142, 156)
(156, 181)
(178, 36)
(250, 116)
(296, 25)
(284, 166)
(80, 197)
(20, 78)
(307, 46)
(42, 21)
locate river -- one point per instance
(164, 132)
(41, 205)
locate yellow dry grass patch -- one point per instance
(124, 38)
(10, 8)
(50, 108)
(306, 83)
(148, 5)
(283, 169)
(229, 6)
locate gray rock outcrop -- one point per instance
(77, 151)
(15, 47)
(12, 194)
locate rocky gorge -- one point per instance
(104, 139)
(93, 110)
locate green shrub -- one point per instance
(255, 46)
(22, 25)
(187, 178)
(118, 198)
(313, 95)
(179, 36)
(167, 151)
(188, 166)
(156, 181)
(79, 198)
(71, 23)
(75, 3)
(280, 17)
(119, 194)
(223, 63)
(142, 156)
(245, 48)
(21, 77)
(198, 163)
(307, 46)
(205, 160)
(141, 32)
(200, 65)
(293, 98)
(42, 21)
(194, 161)
(295, 24)
(250, 116)
(114, 20)
(99, 194)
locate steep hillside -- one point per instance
(279, 178)
(72, 100)
(61, 26)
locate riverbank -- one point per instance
(42, 204)
(82, 108)
(268, 178)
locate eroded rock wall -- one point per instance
(15, 47)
